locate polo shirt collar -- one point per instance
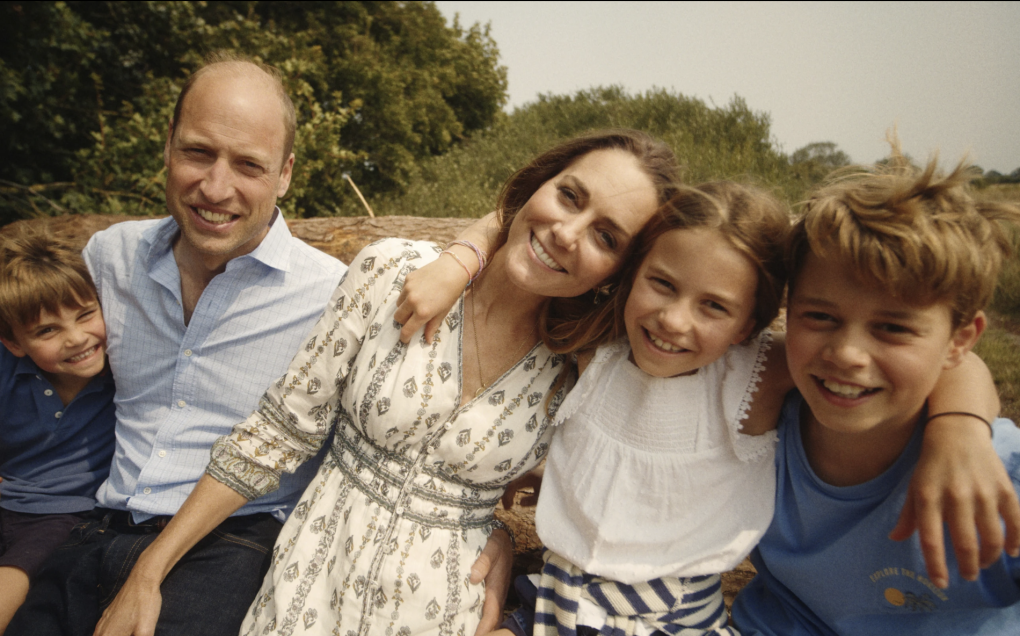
(273, 251)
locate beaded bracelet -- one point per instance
(457, 258)
(499, 525)
(479, 253)
(965, 414)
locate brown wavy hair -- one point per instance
(567, 315)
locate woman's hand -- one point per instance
(135, 611)
(494, 567)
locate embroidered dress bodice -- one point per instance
(383, 539)
(650, 477)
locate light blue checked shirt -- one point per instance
(179, 387)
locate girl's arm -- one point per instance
(773, 386)
(960, 480)
(430, 292)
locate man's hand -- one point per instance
(134, 612)
(493, 566)
(964, 485)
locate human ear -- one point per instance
(963, 340)
(13, 347)
(166, 146)
(285, 174)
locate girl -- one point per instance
(661, 475)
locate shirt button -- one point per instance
(399, 510)
(181, 403)
(187, 352)
(162, 453)
(448, 425)
(58, 414)
(147, 491)
(48, 392)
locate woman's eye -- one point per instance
(608, 239)
(568, 194)
(716, 306)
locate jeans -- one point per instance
(207, 593)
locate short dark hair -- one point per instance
(39, 270)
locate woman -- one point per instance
(426, 435)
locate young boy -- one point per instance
(56, 404)
(889, 272)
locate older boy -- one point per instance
(56, 404)
(889, 273)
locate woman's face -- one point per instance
(574, 231)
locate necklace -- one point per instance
(478, 354)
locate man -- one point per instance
(204, 310)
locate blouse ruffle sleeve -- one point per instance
(748, 362)
(294, 416)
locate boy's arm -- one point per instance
(430, 292)
(960, 480)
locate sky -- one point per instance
(947, 75)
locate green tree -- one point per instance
(730, 141)
(86, 90)
(814, 161)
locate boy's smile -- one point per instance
(65, 345)
(865, 360)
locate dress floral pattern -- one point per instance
(383, 539)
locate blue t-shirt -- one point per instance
(827, 566)
(52, 457)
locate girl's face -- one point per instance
(575, 230)
(692, 298)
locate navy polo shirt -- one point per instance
(52, 457)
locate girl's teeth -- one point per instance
(844, 390)
(213, 217)
(542, 256)
(662, 344)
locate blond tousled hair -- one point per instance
(39, 270)
(920, 234)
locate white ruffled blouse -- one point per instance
(651, 477)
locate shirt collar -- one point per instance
(273, 251)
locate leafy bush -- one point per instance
(87, 88)
(731, 141)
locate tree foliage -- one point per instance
(730, 141)
(87, 88)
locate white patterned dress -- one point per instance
(383, 539)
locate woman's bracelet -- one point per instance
(965, 414)
(499, 525)
(483, 258)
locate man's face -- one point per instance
(225, 166)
